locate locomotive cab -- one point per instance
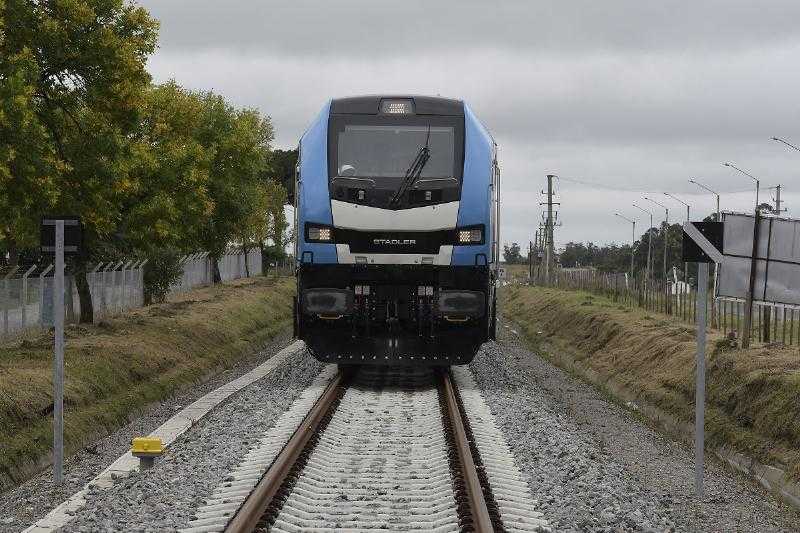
(396, 232)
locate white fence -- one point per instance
(116, 287)
(26, 292)
(197, 270)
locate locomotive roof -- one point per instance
(423, 105)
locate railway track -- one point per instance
(377, 448)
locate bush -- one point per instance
(269, 255)
(163, 268)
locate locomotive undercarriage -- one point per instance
(427, 315)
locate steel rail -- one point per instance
(481, 521)
(250, 513)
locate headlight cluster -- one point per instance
(319, 233)
(470, 236)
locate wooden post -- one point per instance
(783, 321)
(748, 311)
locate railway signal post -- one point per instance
(702, 242)
(59, 236)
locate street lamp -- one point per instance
(688, 218)
(787, 143)
(758, 182)
(649, 240)
(633, 238)
(715, 193)
(688, 207)
(666, 229)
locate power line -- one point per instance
(637, 191)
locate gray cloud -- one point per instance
(378, 28)
(636, 95)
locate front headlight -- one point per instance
(319, 233)
(470, 236)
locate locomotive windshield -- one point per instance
(371, 147)
(388, 151)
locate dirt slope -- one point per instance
(123, 364)
(753, 395)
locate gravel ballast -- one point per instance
(591, 465)
(594, 466)
(165, 497)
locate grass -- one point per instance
(752, 395)
(118, 367)
(516, 272)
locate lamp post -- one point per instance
(688, 218)
(649, 241)
(748, 317)
(666, 229)
(787, 143)
(688, 207)
(633, 238)
(715, 193)
(758, 182)
(716, 266)
(777, 188)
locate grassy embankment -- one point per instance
(752, 395)
(118, 367)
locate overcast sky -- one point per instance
(630, 95)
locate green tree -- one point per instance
(29, 165)
(170, 172)
(253, 225)
(239, 144)
(766, 208)
(282, 166)
(76, 70)
(162, 270)
(274, 239)
(512, 254)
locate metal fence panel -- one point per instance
(770, 322)
(26, 294)
(777, 275)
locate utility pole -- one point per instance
(549, 225)
(542, 237)
(748, 306)
(530, 262)
(549, 251)
(778, 200)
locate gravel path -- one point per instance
(165, 497)
(23, 505)
(594, 467)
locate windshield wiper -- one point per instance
(414, 171)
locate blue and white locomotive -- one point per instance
(396, 226)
